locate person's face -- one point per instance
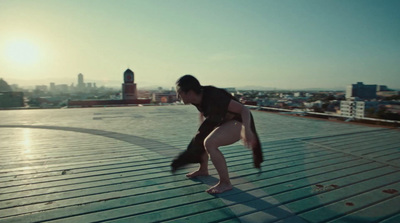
(186, 97)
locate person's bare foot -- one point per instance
(219, 188)
(197, 173)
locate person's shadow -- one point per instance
(253, 205)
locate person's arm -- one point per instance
(201, 118)
(236, 107)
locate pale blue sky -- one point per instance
(287, 44)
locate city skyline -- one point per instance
(273, 44)
(86, 84)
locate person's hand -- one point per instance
(250, 139)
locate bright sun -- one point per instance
(22, 52)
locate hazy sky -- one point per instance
(227, 43)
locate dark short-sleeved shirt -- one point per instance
(214, 105)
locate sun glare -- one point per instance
(26, 141)
(22, 52)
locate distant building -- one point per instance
(52, 87)
(59, 88)
(361, 91)
(4, 87)
(129, 95)
(15, 87)
(356, 109)
(384, 91)
(144, 94)
(298, 94)
(8, 98)
(81, 84)
(315, 104)
(388, 93)
(352, 108)
(164, 97)
(62, 88)
(382, 88)
(393, 108)
(42, 88)
(129, 91)
(11, 99)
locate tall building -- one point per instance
(129, 91)
(81, 83)
(52, 87)
(361, 91)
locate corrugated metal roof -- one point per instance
(112, 164)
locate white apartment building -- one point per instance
(352, 108)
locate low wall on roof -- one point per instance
(94, 103)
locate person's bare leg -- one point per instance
(203, 169)
(224, 183)
(225, 134)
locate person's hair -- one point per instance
(187, 83)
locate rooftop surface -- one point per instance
(112, 164)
